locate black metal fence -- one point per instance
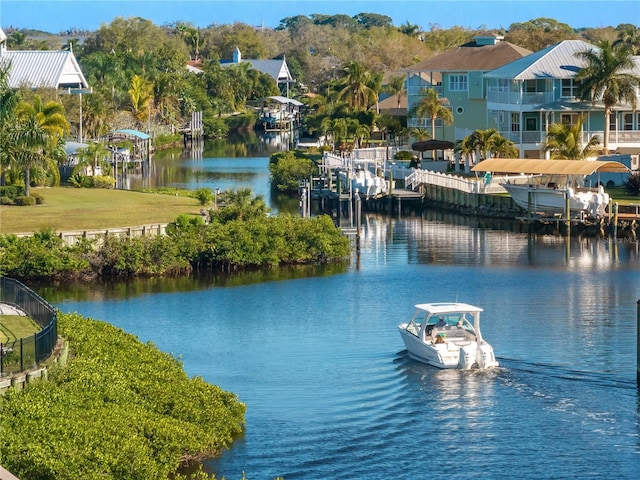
(20, 354)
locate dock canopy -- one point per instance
(548, 167)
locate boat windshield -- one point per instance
(452, 319)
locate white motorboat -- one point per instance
(366, 182)
(447, 335)
(544, 199)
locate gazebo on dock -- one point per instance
(141, 142)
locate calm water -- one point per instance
(331, 394)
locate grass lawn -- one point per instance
(16, 326)
(70, 209)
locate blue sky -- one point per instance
(59, 15)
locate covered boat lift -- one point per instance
(566, 169)
(548, 167)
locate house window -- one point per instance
(515, 122)
(503, 85)
(566, 119)
(570, 87)
(628, 121)
(532, 124)
(530, 86)
(458, 83)
(612, 122)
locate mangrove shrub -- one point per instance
(120, 409)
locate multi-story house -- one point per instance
(520, 97)
(527, 95)
(457, 75)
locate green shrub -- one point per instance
(11, 191)
(25, 201)
(167, 139)
(632, 185)
(204, 196)
(403, 155)
(39, 198)
(103, 181)
(215, 127)
(6, 200)
(288, 170)
(119, 409)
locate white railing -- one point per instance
(367, 158)
(518, 98)
(456, 182)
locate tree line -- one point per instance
(138, 73)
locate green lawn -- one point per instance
(70, 209)
(16, 326)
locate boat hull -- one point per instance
(538, 199)
(463, 355)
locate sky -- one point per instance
(55, 16)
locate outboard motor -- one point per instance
(467, 357)
(486, 357)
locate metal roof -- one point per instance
(557, 61)
(276, 69)
(133, 133)
(281, 99)
(43, 68)
(548, 167)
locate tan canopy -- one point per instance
(547, 167)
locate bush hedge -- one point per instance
(238, 236)
(120, 409)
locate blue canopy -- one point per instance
(135, 133)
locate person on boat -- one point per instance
(441, 323)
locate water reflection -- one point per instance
(460, 241)
(238, 162)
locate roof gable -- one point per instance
(48, 68)
(276, 69)
(472, 57)
(557, 61)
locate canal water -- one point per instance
(331, 394)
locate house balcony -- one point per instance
(617, 138)
(528, 99)
(415, 90)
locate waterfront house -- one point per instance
(57, 69)
(457, 75)
(275, 68)
(525, 96)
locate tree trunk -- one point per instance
(27, 180)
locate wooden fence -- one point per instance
(73, 237)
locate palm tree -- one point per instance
(628, 38)
(565, 142)
(419, 133)
(375, 83)
(485, 140)
(49, 115)
(27, 140)
(466, 148)
(356, 92)
(141, 96)
(433, 107)
(96, 155)
(605, 78)
(396, 87)
(502, 147)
